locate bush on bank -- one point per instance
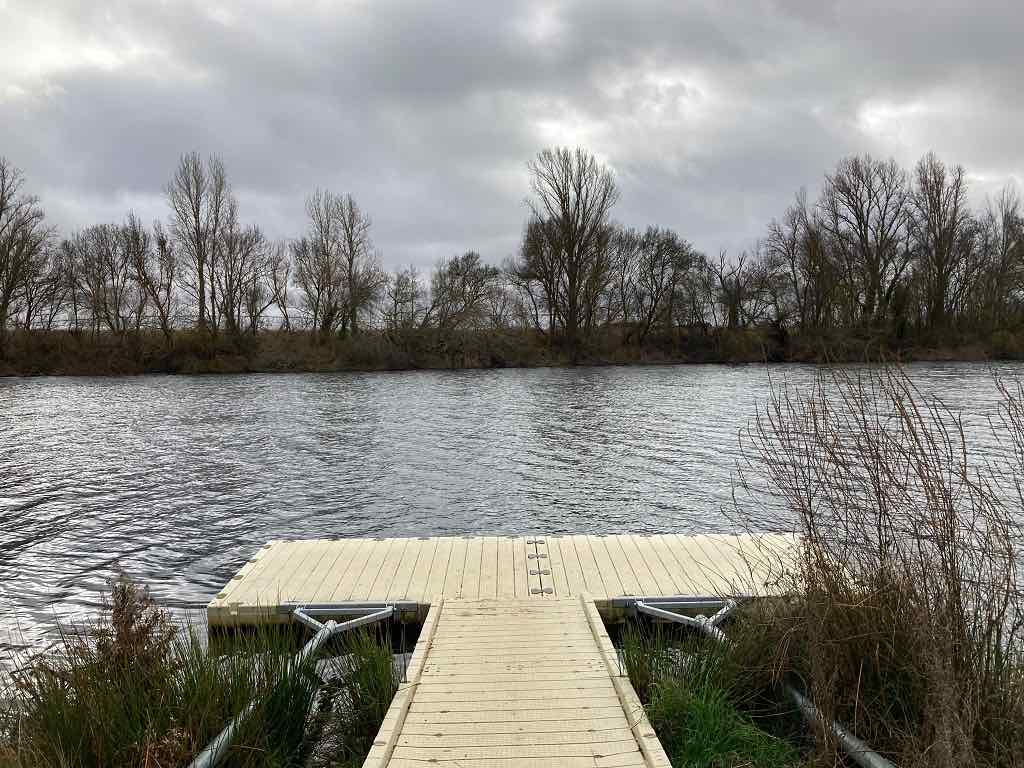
(192, 351)
(904, 618)
(135, 690)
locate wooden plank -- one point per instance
(521, 567)
(522, 752)
(519, 718)
(346, 581)
(456, 566)
(374, 563)
(331, 569)
(595, 583)
(383, 584)
(613, 573)
(566, 562)
(470, 587)
(641, 570)
(488, 588)
(664, 584)
(609, 761)
(500, 724)
(680, 585)
(438, 568)
(414, 589)
(399, 585)
(506, 568)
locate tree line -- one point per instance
(884, 251)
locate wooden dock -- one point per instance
(513, 667)
(515, 683)
(419, 570)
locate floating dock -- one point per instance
(513, 667)
(284, 574)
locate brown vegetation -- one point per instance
(907, 621)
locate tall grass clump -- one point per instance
(354, 700)
(700, 705)
(136, 690)
(905, 620)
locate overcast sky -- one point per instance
(711, 114)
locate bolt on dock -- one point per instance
(513, 666)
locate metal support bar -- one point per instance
(216, 749)
(700, 622)
(700, 603)
(346, 609)
(308, 620)
(855, 749)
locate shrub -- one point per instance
(906, 620)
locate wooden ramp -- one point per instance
(416, 570)
(515, 683)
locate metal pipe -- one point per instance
(341, 609)
(855, 749)
(701, 622)
(308, 620)
(216, 749)
(694, 603)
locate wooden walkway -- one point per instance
(515, 684)
(513, 667)
(421, 570)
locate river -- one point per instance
(174, 480)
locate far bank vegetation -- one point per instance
(886, 262)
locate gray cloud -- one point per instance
(712, 114)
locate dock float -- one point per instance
(284, 574)
(513, 667)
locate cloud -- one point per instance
(713, 114)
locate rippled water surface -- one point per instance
(175, 480)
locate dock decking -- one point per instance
(513, 667)
(510, 683)
(420, 570)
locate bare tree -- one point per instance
(798, 245)
(319, 267)
(364, 278)
(240, 276)
(459, 292)
(199, 199)
(865, 213)
(403, 298)
(23, 240)
(943, 233)
(567, 244)
(156, 272)
(662, 258)
(280, 277)
(107, 256)
(1000, 287)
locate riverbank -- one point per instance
(60, 353)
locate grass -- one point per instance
(705, 713)
(134, 690)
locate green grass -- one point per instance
(136, 691)
(704, 713)
(353, 704)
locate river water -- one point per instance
(174, 480)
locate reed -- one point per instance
(695, 696)
(905, 619)
(135, 690)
